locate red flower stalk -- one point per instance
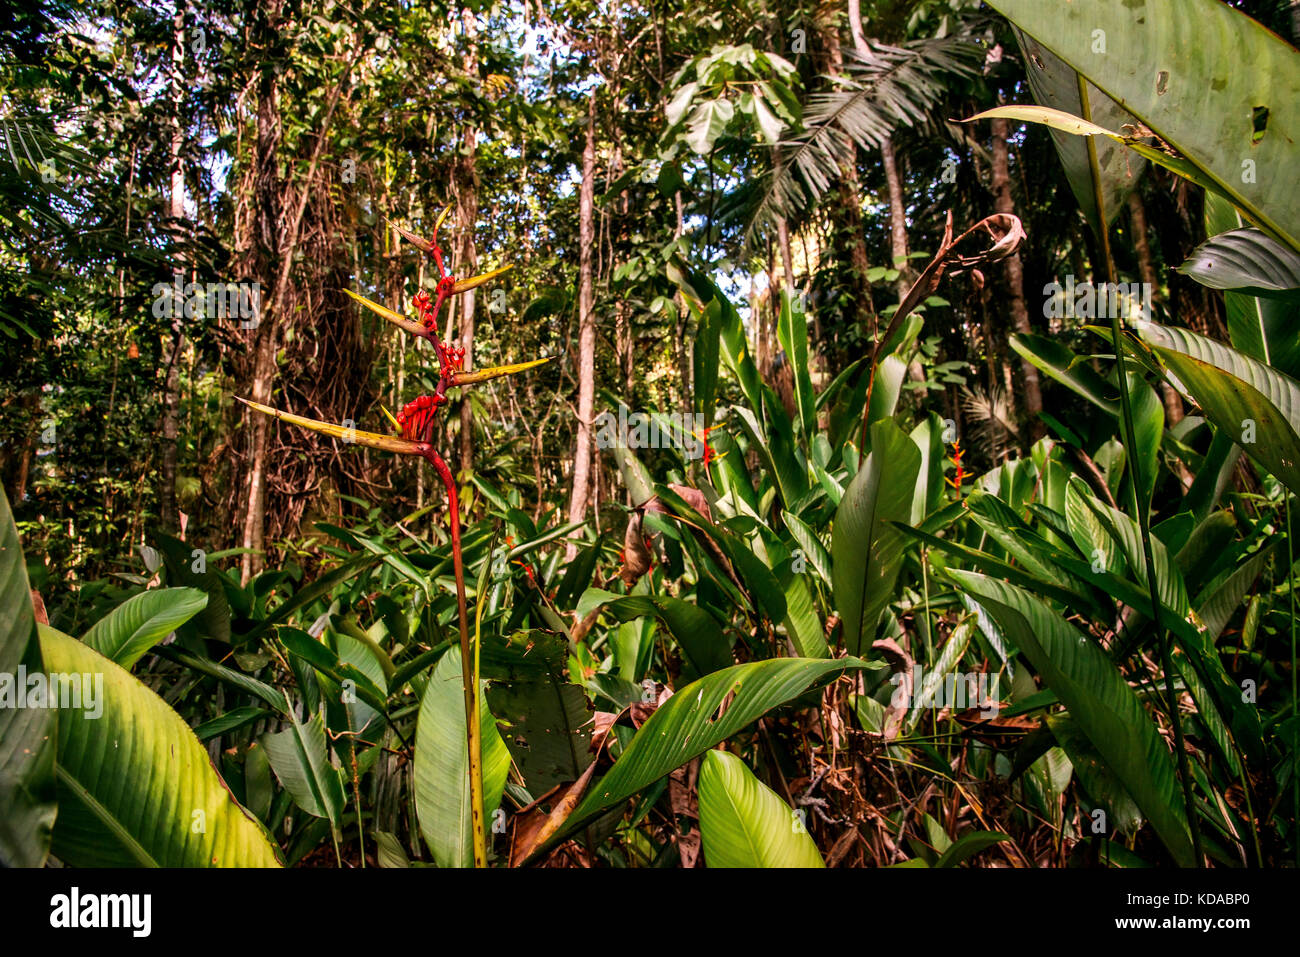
(415, 422)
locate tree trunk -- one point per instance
(265, 224)
(582, 455)
(897, 219)
(1014, 272)
(467, 259)
(176, 211)
(847, 214)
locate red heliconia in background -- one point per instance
(415, 423)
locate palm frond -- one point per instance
(888, 87)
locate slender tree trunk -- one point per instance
(1014, 271)
(277, 244)
(897, 218)
(467, 260)
(847, 214)
(265, 224)
(176, 211)
(582, 457)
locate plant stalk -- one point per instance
(467, 664)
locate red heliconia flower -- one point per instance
(416, 417)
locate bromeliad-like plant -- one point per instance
(415, 424)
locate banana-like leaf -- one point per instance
(1245, 259)
(27, 735)
(1170, 587)
(866, 547)
(136, 787)
(547, 717)
(388, 443)
(968, 845)
(1255, 405)
(1098, 699)
(1057, 361)
(692, 721)
(792, 333)
(140, 622)
(442, 800)
(700, 637)
(1097, 778)
(744, 824)
(301, 762)
(1261, 327)
(1175, 65)
(1100, 173)
(396, 318)
(1222, 598)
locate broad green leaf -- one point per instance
(692, 721)
(969, 845)
(1148, 429)
(1100, 549)
(1261, 327)
(1245, 259)
(442, 766)
(928, 436)
(1098, 699)
(1255, 405)
(1100, 172)
(1222, 598)
(27, 735)
(136, 788)
(706, 359)
(301, 762)
(744, 824)
(547, 719)
(1170, 588)
(697, 632)
(1176, 66)
(140, 622)
(707, 122)
(866, 548)
(792, 333)
(1097, 778)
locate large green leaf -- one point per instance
(442, 800)
(744, 824)
(1245, 259)
(792, 333)
(866, 548)
(140, 622)
(1098, 699)
(1261, 327)
(1245, 398)
(301, 762)
(692, 721)
(547, 718)
(1064, 366)
(136, 787)
(1100, 173)
(1176, 65)
(27, 735)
